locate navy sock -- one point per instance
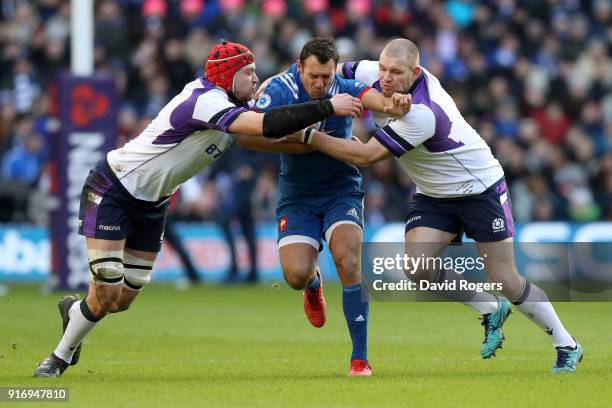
(315, 282)
(356, 312)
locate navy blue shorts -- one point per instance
(485, 217)
(311, 219)
(109, 211)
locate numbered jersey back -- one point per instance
(187, 135)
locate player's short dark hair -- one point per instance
(324, 49)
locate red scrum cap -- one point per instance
(224, 61)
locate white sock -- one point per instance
(482, 302)
(534, 304)
(77, 329)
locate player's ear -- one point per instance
(299, 67)
(416, 72)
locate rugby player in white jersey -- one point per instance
(460, 188)
(125, 197)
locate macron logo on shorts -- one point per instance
(498, 225)
(109, 227)
(415, 218)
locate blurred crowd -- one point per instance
(534, 77)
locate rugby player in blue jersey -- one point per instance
(321, 197)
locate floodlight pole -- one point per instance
(81, 37)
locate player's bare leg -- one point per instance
(298, 261)
(430, 242)
(124, 301)
(429, 235)
(106, 264)
(345, 246)
(424, 241)
(500, 265)
(530, 300)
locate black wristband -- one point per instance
(285, 120)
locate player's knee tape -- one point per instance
(137, 271)
(106, 266)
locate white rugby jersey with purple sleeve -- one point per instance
(440, 151)
(187, 135)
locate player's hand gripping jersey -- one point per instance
(313, 173)
(441, 152)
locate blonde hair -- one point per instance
(402, 48)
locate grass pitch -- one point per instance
(218, 346)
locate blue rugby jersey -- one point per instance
(313, 173)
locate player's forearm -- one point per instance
(282, 120)
(396, 105)
(375, 101)
(261, 144)
(350, 151)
